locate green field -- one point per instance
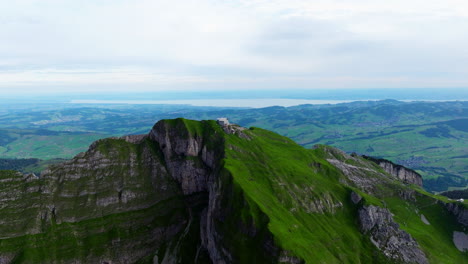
(426, 136)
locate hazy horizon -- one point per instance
(322, 94)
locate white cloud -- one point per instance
(308, 43)
(90, 77)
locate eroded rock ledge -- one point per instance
(386, 234)
(460, 212)
(401, 172)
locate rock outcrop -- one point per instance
(401, 172)
(198, 192)
(459, 211)
(186, 156)
(143, 196)
(387, 236)
(355, 198)
(460, 240)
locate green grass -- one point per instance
(284, 180)
(272, 191)
(90, 239)
(48, 147)
(436, 238)
(277, 176)
(426, 136)
(99, 232)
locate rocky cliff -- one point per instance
(401, 172)
(459, 210)
(195, 192)
(387, 235)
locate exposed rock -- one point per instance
(406, 194)
(285, 257)
(459, 210)
(166, 197)
(357, 175)
(110, 185)
(355, 198)
(6, 259)
(173, 169)
(30, 177)
(235, 129)
(388, 237)
(424, 219)
(183, 156)
(209, 235)
(460, 240)
(405, 174)
(135, 139)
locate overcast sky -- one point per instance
(157, 45)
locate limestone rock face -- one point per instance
(21, 209)
(187, 158)
(118, 185)
(460, 212)
(173, 197)
(398, 171)
(105, 185)
(144, 196)
(402, 173)
(388, 237)
(460, 240)
(355, 198)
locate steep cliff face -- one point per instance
(195, 192)
(19, 200)
(114, 203)
(189, 159)
(398, 171)
(156, 198)
(459, 210)
(387, 235)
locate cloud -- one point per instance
(53, 77)
(226, 43)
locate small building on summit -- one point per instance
(222, 121)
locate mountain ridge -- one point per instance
(196, 192)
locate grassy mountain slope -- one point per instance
(308, 205)
(427, 136)
(193, 192)
(88, 212)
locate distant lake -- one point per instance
(253, 103)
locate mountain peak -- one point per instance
(197, 192)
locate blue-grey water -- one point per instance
(252, 103)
